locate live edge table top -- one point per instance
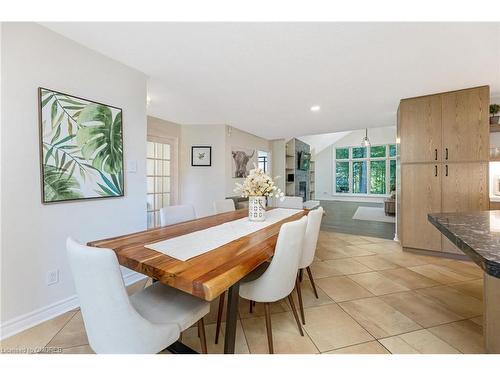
(207, 275)
(477, 234)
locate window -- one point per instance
(263, 161)
(365, 170)
(158, 180)
(342, 177)
(359, 174)
(377, 177)
(342, 153)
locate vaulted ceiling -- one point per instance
(264, 77)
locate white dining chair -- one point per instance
(226, 205)
(308, 251)
(291, 202)
(278, 280)
(176, 214)
(147, 322)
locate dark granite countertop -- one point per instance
(477, 234)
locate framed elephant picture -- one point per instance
(81, 148)
(201, 156)
(243, 161)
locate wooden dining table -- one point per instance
(205, 276)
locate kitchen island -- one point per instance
(477, 234)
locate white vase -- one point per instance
(257, 208)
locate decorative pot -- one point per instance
(257, 208)
(494, 120)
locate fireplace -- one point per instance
(303, 190)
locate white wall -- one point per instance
(34, 234)
(324, 159)
(239, 138)
(278, 161)
(200, 186)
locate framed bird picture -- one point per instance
(201, 156)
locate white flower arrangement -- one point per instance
(259, 184)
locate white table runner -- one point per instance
(196, 243)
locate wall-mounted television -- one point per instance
(304, 160)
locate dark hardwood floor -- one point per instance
(339, 219)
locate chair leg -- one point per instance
(219, 316)
(295, 315)
(312, 281)
(203, 339)
(267, 309)
(301, 304)
(301, 272)
(251, 306)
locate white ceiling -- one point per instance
(263, 77)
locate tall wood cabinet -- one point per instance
(443, 162)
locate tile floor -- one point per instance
(373, 298)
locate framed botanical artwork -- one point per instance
(201, 156)
(81, 148)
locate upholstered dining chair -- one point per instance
(278, 280)
(308, 251)
(290, 202)
(146, 322)
(176, 214)
(226, 205)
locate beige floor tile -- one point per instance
(347, 266)
(405, 259)
(396, 345)
(465, 336)
(258, 309)
(356, 251)
(84, 349)
(191, 339)
(426, 343)
(341, 288)
(308, 297)
(376, 262)
(377, 283)
(440, 273)
(73, 334)
(460, 266)
(379, 248)
(377, 240)
(478, 320)
(372, 347)
(325, 254)
(409, 279)
(421, 309)
(286, 337)
(454, 300)
(329, 327)
(332, 243)
(355, 240)
(36, 338)
(323, 269)
(378, 317)
(472, 288)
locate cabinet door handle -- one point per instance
(446, 169)
(436, 154)
(446, 157)
(435, 170)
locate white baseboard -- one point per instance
(33, 318)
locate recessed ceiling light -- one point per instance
(315, 108)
